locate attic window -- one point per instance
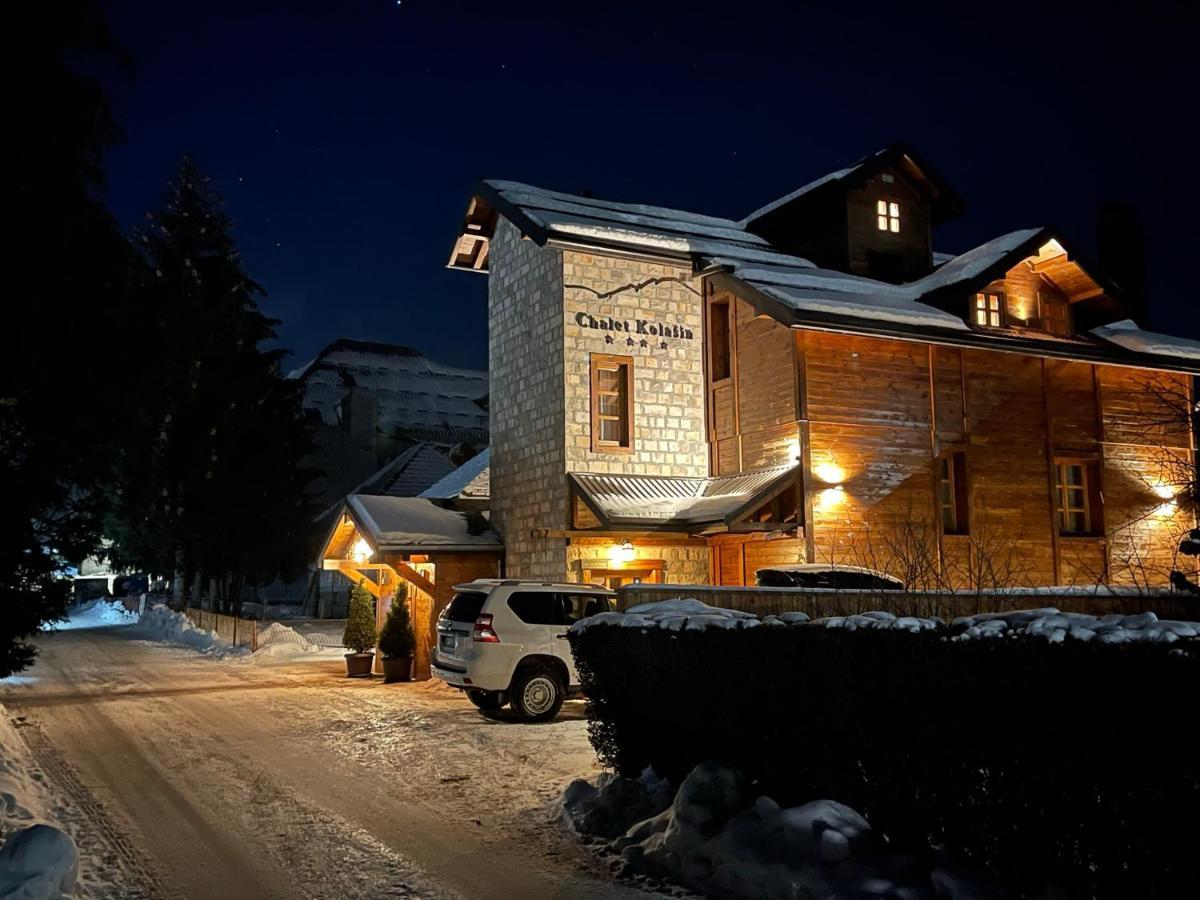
(987, 308)
(887, 215)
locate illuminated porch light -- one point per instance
(1165, 491)
(830, 499)
(621, 554)
(830, 473)
(361, 551)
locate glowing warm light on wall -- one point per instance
(1020, 307)
(1165, 491)
(830, 472)
(621, 554)
(361, 551)
(830, 499)
(793, 449)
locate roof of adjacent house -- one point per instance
(417, 397)
(409, 473)
(470, 481)
(665, 502)
(415, 525)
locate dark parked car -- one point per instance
(824, 575)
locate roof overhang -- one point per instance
(676, 504)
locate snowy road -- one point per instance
(180, 775)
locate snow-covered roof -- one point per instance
(824, 291)
(633, 226)
(414, 524)
(1127, 334)
(631, 500)
(470, 481)
(410, 473)
(417, 397)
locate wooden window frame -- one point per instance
(887, 215)
(1092, 499)
(1000, 311)
(601, 361)
(713, 304)
(954, 462)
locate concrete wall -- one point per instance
(525, 349)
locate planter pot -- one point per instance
(358, 665)
(397, 668)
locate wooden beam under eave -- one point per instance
(482, 246)
(1086, 295)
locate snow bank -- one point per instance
(279, 643)
(98, 613)
(160, 623)
(881, 621)
(673, 615)
(717, 838)
(1055, 626)
(36, 860)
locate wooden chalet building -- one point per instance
(682, 398)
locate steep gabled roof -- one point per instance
(409, 473)
(469, 482)
(415, 525)
(945, 203)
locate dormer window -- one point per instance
(987, 309)
(887, 216)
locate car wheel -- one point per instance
(486, 700)
(537, 694)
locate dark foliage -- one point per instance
(64, 379)
(213, 481)
(1046, 763)
(359, 634)
(396, 638)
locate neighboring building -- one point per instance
(678, 397)
(372, 402)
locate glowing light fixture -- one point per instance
(622, 554)
(830, 499)
(361, 551)
(830, 472)
(1165, 491)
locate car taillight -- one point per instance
(484, 631)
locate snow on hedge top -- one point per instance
(1055, 626)
(1127, 334)
(672, 615)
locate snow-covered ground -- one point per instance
(183, 772)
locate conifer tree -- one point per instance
(360, 634)
(217, 486)
(396, 638)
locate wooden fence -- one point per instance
(237, 631)
(823, 602)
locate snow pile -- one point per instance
(787, 618)
(1055, 626)
(279, 642)
(36, 860)
(613, 804)
(881, 621)
(160, 623)
(716, 838)
(38, 863)
(98, 613)
(686, 614)
(1127, 334)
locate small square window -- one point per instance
(987, 309)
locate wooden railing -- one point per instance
(237, 631)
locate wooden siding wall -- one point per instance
(882, 410)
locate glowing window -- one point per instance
(1071, 489)
(887, 216)
(987, 309)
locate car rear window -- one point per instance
(465, 607)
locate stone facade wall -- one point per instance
(682, 563)
(525, 342)
(668, 414)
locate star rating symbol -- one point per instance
(608, 339)
(662, 345)
(628, 342)
(645, 343)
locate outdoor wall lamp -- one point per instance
(830, 473)
(362, 551)
(622, 553)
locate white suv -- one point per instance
(505, 641)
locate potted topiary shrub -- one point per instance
(396, 640)
(359, 636)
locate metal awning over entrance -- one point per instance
(669, 503)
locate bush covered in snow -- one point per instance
(1048, 748)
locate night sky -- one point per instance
(345, 136)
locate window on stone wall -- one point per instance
(612, 403)
(952, 493)
(718, 339)
(1077, 494)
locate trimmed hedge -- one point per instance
(1070, 763)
